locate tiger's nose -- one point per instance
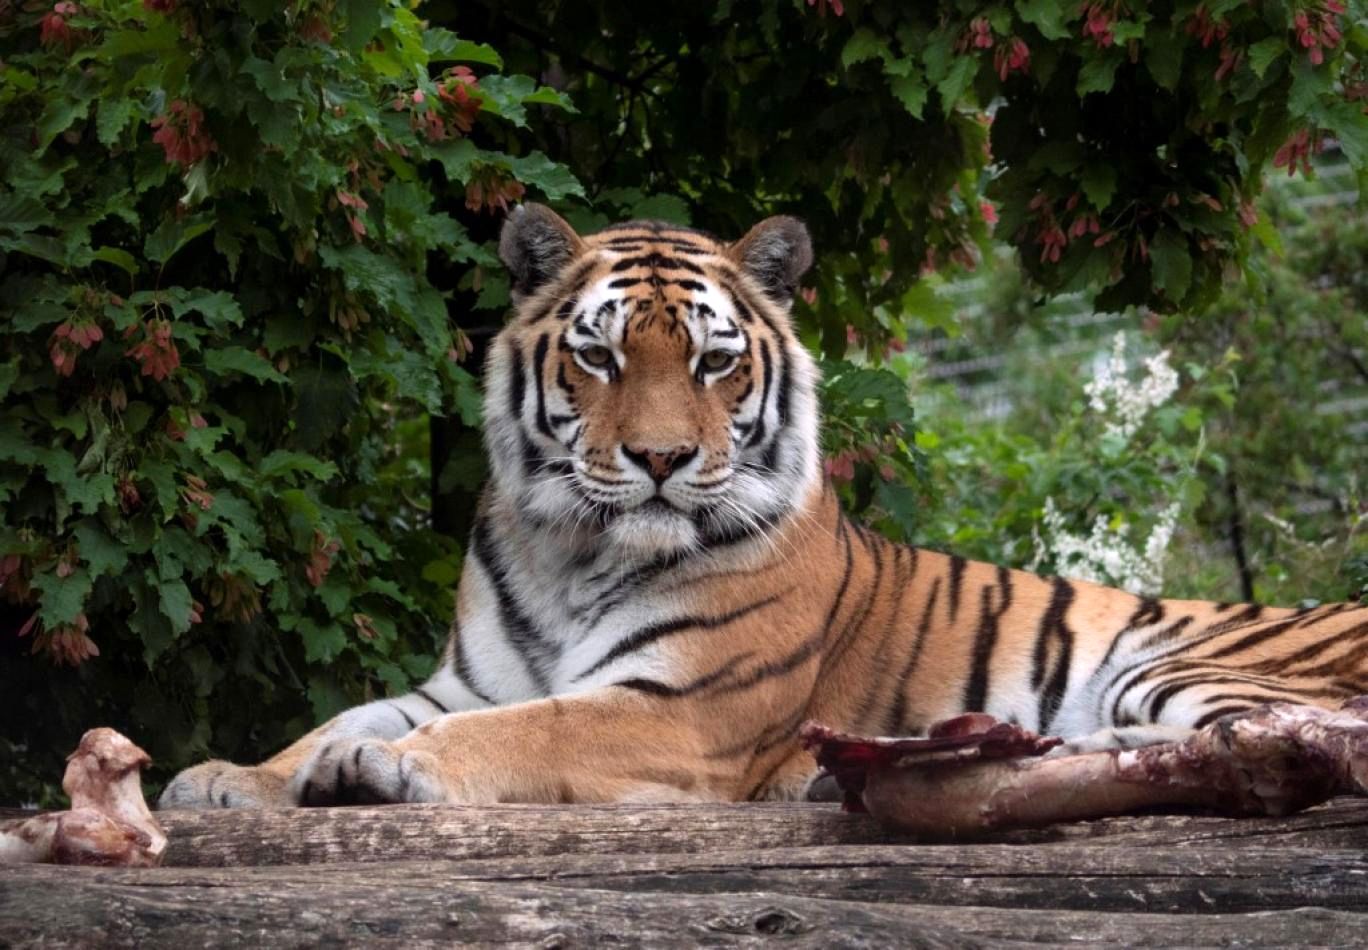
(660, 464)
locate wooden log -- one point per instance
(1084, 878)
(397, 832)
(403, 904)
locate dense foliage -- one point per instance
(247, 277)
(216, 222)
(1256, 443)
(1117, 146)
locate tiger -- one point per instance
(661, 587)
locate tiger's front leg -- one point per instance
(218, 784)
(609, 745)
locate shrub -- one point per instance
(216, 221)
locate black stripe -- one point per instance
(1347, 663)
(1310, 652)
(628, 583)
(976, 690)
(650, 633)
(900, 703)
(854, 625)
(538, 370)
(419, 691)
(527, 641)
(655, 260)
(412, 724)
(869, 701)
(1052, 695)
(766, 371)
(657, 688)
(844, 535)
(1061, 596)
(781, 410)
(1253, 639)
(957, 565)
(517, 391)
(1168, 634)
(460, 666)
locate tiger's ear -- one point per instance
(536, 243)
(775, 253)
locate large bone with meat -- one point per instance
(108, 823)
(989, 776)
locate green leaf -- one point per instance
(670, 208)
(101, 553)
(554, 180)
(863, 45)
(112, 118)
(1164, 58)
(118, 257)
(336, 593)
(163, 481)
(911, 91)
(1172, 263)
(1047, 16)
(162, 36)
(363, 22)
(1099, 184)
(444, 46)
(173, 234)
(236, 359)
(1263, 53)
(325, 399)
(63, 598)
(1098, 74)
(284, 462)
(952, 87)
(271, 80)
(219, 308)
(322, 643)
(176, 604)
(1349, 124)
(59, 115)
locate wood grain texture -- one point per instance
(396, 832)
(805, 875)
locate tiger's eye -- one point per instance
(596, 355)
(717, 360)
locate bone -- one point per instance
(108, 823)
(1272, 760)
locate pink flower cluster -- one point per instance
(182, 135)
(1098, 18)
(69, 340)
(157, 351)
(1318, 28)
(53, 28)
(1297, 151)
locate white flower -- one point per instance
(1104, 556)
(1125, 404)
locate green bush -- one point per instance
(216, 328)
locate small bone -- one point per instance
(1271, 760)
(108, 823)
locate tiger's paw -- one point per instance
(217, 784)
(367, 772)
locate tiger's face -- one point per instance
(650, 393)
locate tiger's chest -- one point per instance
(536, 626)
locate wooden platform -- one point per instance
(791, 875)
